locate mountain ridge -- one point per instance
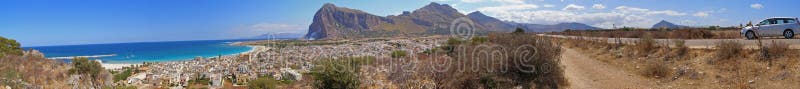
(333, 22)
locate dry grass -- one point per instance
(656, 69)
(729, 65)
(690, 33)
(506, 61)
(727, 50)
(775, 50)
(38, 71)
(680, 48)
(645, 45)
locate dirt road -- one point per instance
(586, 73)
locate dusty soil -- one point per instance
(586, 73)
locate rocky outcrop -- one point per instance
(333, 22)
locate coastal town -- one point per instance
(265, 59)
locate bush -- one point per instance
(775, 50)
(124, 74)
(503, 62)
(398, 54)
(265, 82)
(656, 70)
(727, 49)
(82, 65)
(518, 31)
(200, 79)
(646, 44)
(339, 73)
(430, 51)
(681, 48)
(478, 40)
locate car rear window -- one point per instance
(790, 21)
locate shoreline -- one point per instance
(112, 66)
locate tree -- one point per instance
(339, 73)
(9, 46)
(519, 31)
(82, 65)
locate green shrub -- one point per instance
(200, 79)
(124, 74)
(454, 41)
(488, 83)
(399, 54)
(339, 73)
(82, 65)
(9, 46)
(430, 51)
(265, 82)
(518, 31)
(478, 40)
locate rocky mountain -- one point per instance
(668, 25)
(556, 27)
(332, 22)
(490, 22)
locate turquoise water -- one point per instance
(144, 51)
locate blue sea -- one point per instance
(144, 51)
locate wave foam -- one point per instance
(90, 56)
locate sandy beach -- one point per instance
(116, 66)
(119, 66)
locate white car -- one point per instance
(776, 26)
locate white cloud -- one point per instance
(548, 5)
(478, 1)
(619, 17)
(687, 22)
(598, 6)
(701, 14)
(756, 6)
(666, 12)
(510, 1)
(573, 7)
(471, 1)
(506, 8)
(626, 9)
(634, 10)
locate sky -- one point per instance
(74, 22)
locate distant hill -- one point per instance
(279, 36)
(556, 27)
(668, 25)
(332, 22)
(490, 22)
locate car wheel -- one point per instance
(750, 35)
(788, 34)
